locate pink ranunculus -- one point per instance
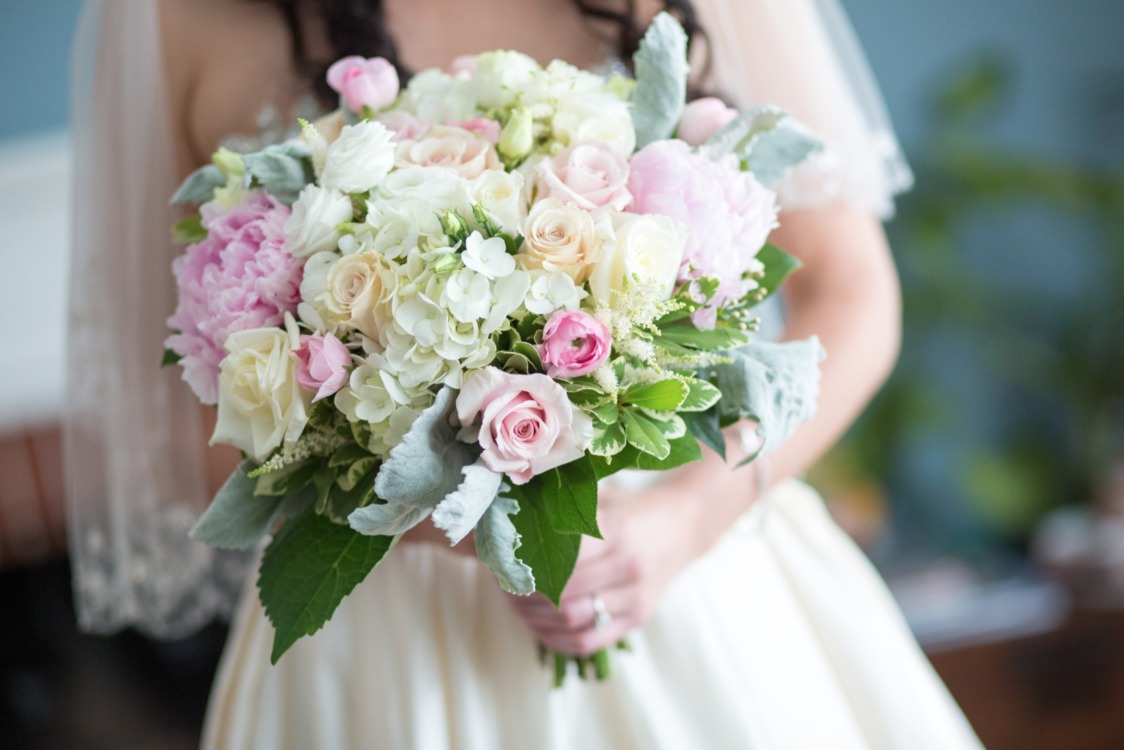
(525, 423)
(485, 126)
(703, 118)
(240, 277)
(730, 215)
(322, 364)
(404, 125)
(574, 343)
(364, 82)
(590, 175)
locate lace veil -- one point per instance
(135, 460)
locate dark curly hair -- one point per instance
(358, 27)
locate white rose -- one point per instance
(501, 194)
(440, 189)
(360, 158)
(355, 290)
(596, 118)
(559, 236)
(500, 76)
(312, 226)
(649, 247)
(260, 402)
(456, 149)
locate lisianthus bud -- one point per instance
(518, 136)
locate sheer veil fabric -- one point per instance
(135, 461)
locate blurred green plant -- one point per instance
(1056, 361)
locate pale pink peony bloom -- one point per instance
(590, 175)
(525, 423)
(323, 364)
(240, 277)
(703, 118)
(484, 126)
(730, 215)
(364, 82)
(574, 343)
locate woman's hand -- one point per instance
(642, 551)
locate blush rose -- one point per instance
(322, 365)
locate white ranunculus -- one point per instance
(360, 158)
(648, 247)
(501, 194)
(312, 227)
(500, 76)
(261, 404)
(553, 291)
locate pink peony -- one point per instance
(363, 82)
(590, 175)
(574, 344)
(703, 118)
(322, 365)
(240, 277)
(729, 212)
(527, 424)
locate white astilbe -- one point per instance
(311, 443)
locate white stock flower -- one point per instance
(500, 76)
(553, 291)
(501, 194)
(360, 158)
(649, 247)
(261, 404)
(487, 256)
(312, 227)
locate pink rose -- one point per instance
(590, 175)
(405, 126)
(364, 82)
(527, 424)
(574, 344)
(484, 126)
(465, 152)
(322, 364)
(703, 118)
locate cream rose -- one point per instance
(355, 292)
(261, 404)
(501, 194)
(559, 236)
(649, 247)
(461, 151)
(313, 226)
(359, 159)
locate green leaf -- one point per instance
(336, 502)
(170, 358)
(606, 413)
(282, 169)
(347, 455)
(569, 497)
(661, 80)
(307, 570)
(704, 426)
(642, 434)
(714, 340)
(357, 472)
(496, 544)
(701, 395)
(550, 554)
(608, 439)
(531, 353)
(199, 187)
(288, 479)
(682, 451)
(670, 426)
(663, 395)
(779, 265)
(188, 231)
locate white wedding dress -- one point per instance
(781, 637)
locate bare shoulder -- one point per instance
(225, 60)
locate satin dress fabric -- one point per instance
(781, 637)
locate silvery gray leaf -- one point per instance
(199, 187)
(461, 509)
(283, 169)
(768, 139)
(775, 385)
(661, 80)
(386, 520)
(496, 543)
(238, 519)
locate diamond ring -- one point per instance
(601, 617)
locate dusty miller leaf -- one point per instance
(768, 140)
(661, 80)
(283, 170)
(461, 509)
(199, 187)
(496, 544)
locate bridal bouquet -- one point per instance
(471, 300)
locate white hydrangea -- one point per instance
(553, 291)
